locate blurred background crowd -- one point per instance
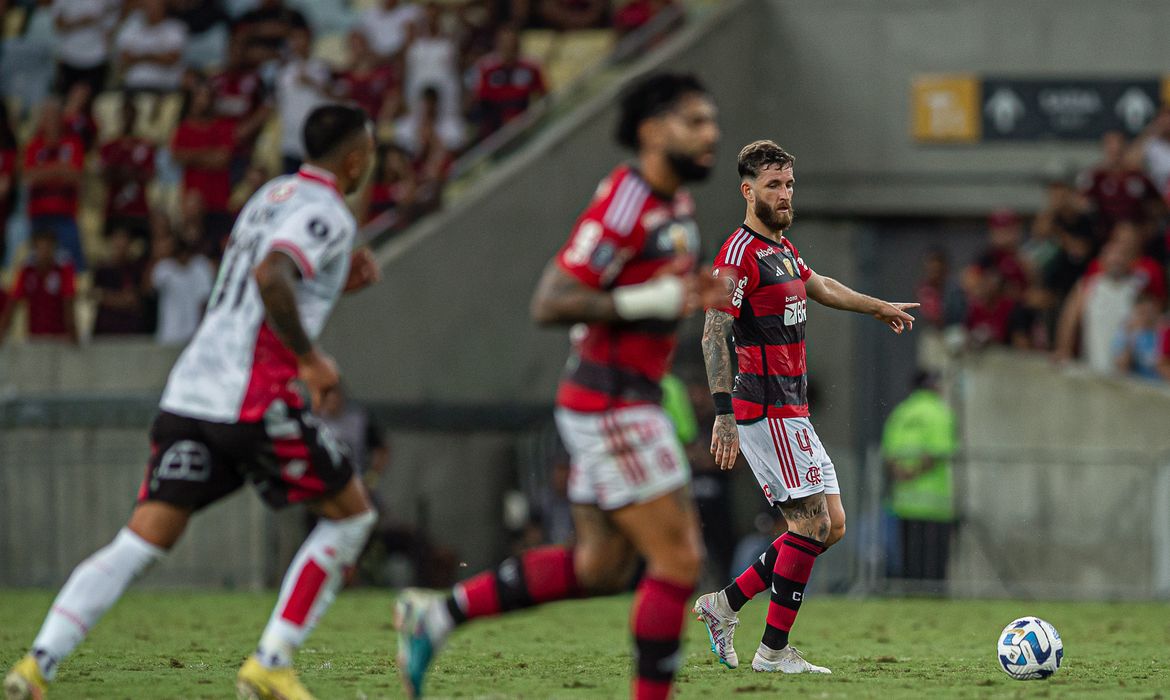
(1083, 278)
(133, 131)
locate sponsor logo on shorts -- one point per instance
(186, 460)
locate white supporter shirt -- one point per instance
(386, 30)
(236, 366)
(138, 38)
(88, 46)
(182, 292)
(1108, 302)
(300, 87)
(433, 61)
(1157, 154)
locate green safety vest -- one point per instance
(923, 425)
(677, 405)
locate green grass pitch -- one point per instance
(189, 645)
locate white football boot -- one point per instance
(714, 612)
(786, 660)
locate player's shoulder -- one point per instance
(619, 200)
(736, 247)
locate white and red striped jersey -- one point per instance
(236, 366)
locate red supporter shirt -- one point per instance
(623, 237)
(46, 292)
(1146, 269)
(506, 90)
(990, 321)
(128, 197)
(54, 198)
(368, 89)
(238, 94)
(1119, 196)
(213, 184)
(770, 305)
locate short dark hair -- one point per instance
(758, 155)
(650, 97)
(329, 126)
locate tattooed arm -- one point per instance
(717, 357)
(276, 276)
(561, 299)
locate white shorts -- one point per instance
(787, 458)
(623, 456)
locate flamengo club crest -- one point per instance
(813, 475)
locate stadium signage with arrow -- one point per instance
(968, 108)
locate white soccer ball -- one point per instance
(1029, 648)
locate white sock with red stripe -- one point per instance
(311, 584)
(92, 589)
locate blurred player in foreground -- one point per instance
(764, 409)
(229, 415)
(627, 276)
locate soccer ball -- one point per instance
(1029, 648)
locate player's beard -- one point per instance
(774, 220)
(687, 167)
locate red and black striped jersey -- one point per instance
(769, 304)
(625, 235)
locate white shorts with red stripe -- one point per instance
(787, 458)
(622, 456)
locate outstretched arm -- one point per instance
(717, 357)
(829, 292)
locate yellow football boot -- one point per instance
(24, 681)
(258, 682)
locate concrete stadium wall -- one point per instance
(1061, 466)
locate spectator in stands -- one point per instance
(150, 50)
(1005, 231)
(432, 61)
(1154, 144)
(387, 27)
(394, 186)
(989, 308)
(1137, 348)
(918, 444)
(431, 137)
(206, 22)
(1117, 190)
(941, 300)
(1064, 211)
(117, 288)
(127, 163)
(241, 96)
(1071, 261)
(562, 15)
(368, 81)
(46, 284)
(77, 114)
(1097, 308)
(83, 29)
(303, 84)
(505, 84)
(267, 28)
(54, 162)
(638, 13)
(1033, 319)
(182, 279)
(203, 144)
(1131, 240)
(9, 156)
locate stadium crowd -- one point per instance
(1085, 279)
(125, 160)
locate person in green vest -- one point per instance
(918, 442)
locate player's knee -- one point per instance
(348, 535)
(682, 561)
(817, 526)
(598, 571)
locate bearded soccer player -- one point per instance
(228, 414)
(763, 410)
(627, 276)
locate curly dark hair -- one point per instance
(758, 155)
(651, 97)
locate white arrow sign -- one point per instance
(1135, 108)
(1004, 108)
